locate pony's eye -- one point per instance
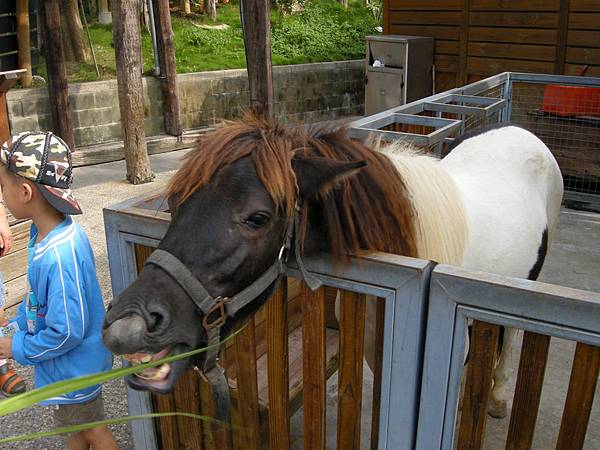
(258, 220)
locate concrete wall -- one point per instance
(303, 93)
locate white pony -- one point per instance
(498, 195)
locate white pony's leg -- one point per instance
(502, 376)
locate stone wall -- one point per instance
(303, 93)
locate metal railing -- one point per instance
(570, 126)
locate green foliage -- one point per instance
(323, 31)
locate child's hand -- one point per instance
(6, 347)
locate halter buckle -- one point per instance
(217, 307)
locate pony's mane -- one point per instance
(370, 211)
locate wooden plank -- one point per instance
(445, 80)
(580, 397)
(442, 47)
(584, 38)
(15, 290)
(4, 123)
(438, 5)
(435, 31)
(521, 51)
(215, 436)
(585, 5)
(377, 370)
(446, 63)
(573, 69)
(528, 390)
(245, 355)
(513, 19)
(464, 42)
(187, 399)
(561, 42)
(426, 17)
(513, 35)
(167, 425)
(583, 55)
(277, 369)
(484, 342)
(142, 253)
(313, 345)
(350, 378)
(584, 21)
(14, 264)
(492, 66)
(515, 5)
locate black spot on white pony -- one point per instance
(534, 273)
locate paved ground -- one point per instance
(574, 261)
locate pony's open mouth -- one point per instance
(160, 379)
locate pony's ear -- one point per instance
(317, 176)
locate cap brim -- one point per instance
(61, 199)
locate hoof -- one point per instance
(497, 408)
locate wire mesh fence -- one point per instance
(562, 111)
(567, 119)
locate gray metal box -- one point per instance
(405, 74)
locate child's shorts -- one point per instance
(79, 413)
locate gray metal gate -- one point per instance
(533, 101)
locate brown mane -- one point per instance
(370, 211)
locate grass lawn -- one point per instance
(323, 31)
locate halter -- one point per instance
(216, 310)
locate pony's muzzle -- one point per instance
(123, 334)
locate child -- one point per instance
(60, 320)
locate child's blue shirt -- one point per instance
(60, 320)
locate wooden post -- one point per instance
(104, 15)
(255, 22)
(23, 41)
(126, 36)
(168, 67)
(57, 73)
(7, 79)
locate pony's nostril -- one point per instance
(156, 320)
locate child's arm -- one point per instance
(66, 319)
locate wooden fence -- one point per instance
(8, 35)
(479, 38)
(284, 357)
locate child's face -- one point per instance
(15, 193)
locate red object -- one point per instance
(571, 100)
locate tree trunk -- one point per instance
(255, 21)
(184, 5)
(57, 73)
(73, 31)
(23, 41)
(126, 36)
(104, 15)
(168, 67)
(344, 3)
(92, 8)
(210, 8)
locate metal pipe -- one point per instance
(156, 70)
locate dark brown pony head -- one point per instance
(231, 202)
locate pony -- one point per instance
(491, 204)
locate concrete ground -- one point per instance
(574, 261)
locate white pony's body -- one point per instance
(485, 207)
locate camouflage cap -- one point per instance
(45, 159)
